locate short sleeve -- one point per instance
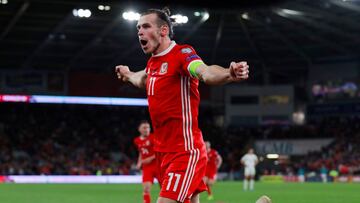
(242, 158)
(189, 60)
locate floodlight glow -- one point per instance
(272, 156)
(101, 7)
(180, 18)
(104, 8)
(75, 12)
(86, 13)
(4, 1)
(82, 13)
(245, 16)
(291, 12)
(205, 16)
(131, 16)
(197, 13)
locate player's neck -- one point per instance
(165, 43)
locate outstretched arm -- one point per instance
(138, 163)
(148, 160)
(219, 161)
(217, 75)
(138, 79)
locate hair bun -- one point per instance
(166, 10)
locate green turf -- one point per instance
(224, 192)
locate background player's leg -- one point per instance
(252, 183)
(246, 182)
(146, 192)
(210, 184)
(209, 189)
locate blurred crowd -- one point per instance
(57, 139)
(98, 140)
(343, 154)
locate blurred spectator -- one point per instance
(334, 174)
(324, 173)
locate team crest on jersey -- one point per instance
(186, 50)
(147, 143)
(163, 68)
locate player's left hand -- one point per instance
(239, 71)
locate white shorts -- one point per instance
(249, 171)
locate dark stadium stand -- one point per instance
(86, 139)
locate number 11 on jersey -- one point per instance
(151, 86)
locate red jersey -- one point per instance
(212, 159)
(174, 99)
(145, 146)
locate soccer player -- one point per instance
(146, 160)
(323, 173)
(249, 160)
(213, 164)
(301, 174)
(171, 79)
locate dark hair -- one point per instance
(163, 18)
(144, 121)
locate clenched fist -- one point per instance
(239, 71)
(122, 72)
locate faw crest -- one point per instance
(163, 68)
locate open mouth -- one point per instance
(143, 42)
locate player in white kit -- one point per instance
(249, 160)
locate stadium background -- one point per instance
(299, 109)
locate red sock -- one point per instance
(209, 191)
(187, 201)
(147, 198)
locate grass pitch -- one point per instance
(224, 192)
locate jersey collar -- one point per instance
(173, 43)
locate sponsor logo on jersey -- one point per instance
(194, 56)
(163, 68)
(186, 50)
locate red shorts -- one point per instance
(211, 173)
(149, 172)
(181, 173)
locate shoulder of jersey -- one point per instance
(185, 49)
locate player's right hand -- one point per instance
(122, 72)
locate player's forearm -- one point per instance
(215, 75)
(138, 164)
(138, 79)
(219, 162)
(148, 160)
